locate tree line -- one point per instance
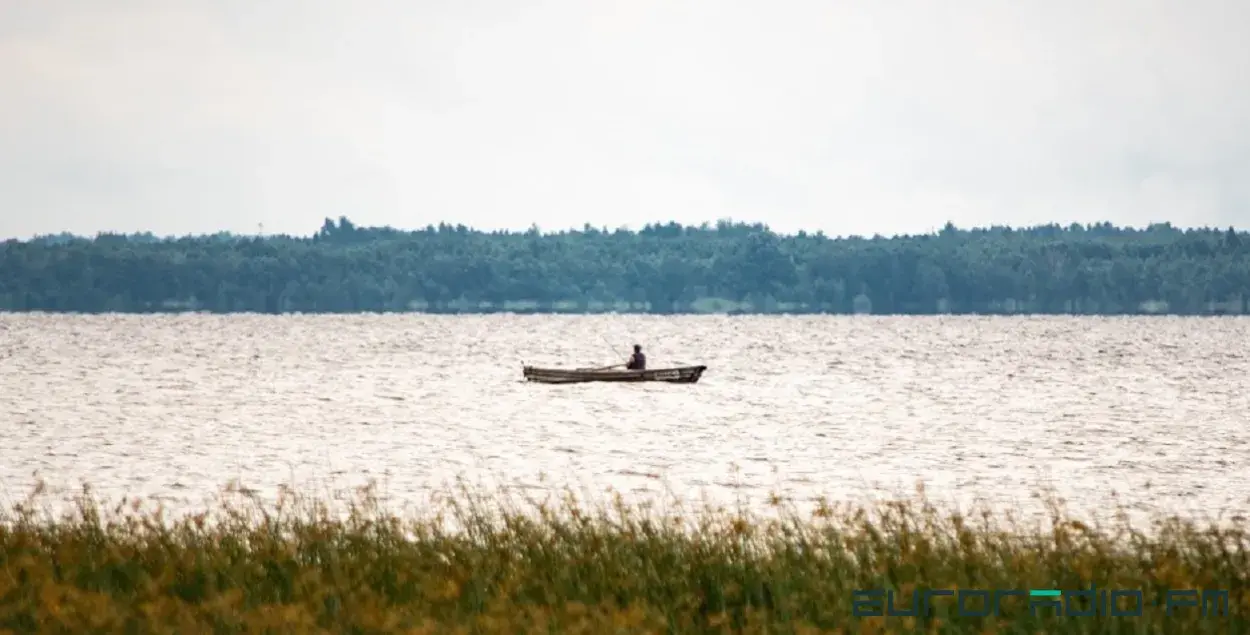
(663, 268)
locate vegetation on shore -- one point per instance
(562, 566)
(1094, 269)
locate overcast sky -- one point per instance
(851, 116)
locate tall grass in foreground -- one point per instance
(564, 566)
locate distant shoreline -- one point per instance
(729, 269)
(480, 311)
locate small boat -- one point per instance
(679, 375)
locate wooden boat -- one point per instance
(678, 375)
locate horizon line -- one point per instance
(627, 229)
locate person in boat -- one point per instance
(637, 361)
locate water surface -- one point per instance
(1144, 412)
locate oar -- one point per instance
(610, 346)
(614, 350)
(604, 368)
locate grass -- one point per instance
(473, 565)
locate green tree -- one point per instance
(344, 267)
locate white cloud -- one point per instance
(852, 117)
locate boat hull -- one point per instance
(679, 375)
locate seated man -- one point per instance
(637, 361)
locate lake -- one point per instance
(1144, 412)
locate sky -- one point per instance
(848, 116)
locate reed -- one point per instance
(470, 564)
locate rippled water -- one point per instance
(1152, 410)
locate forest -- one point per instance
(725, 267)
